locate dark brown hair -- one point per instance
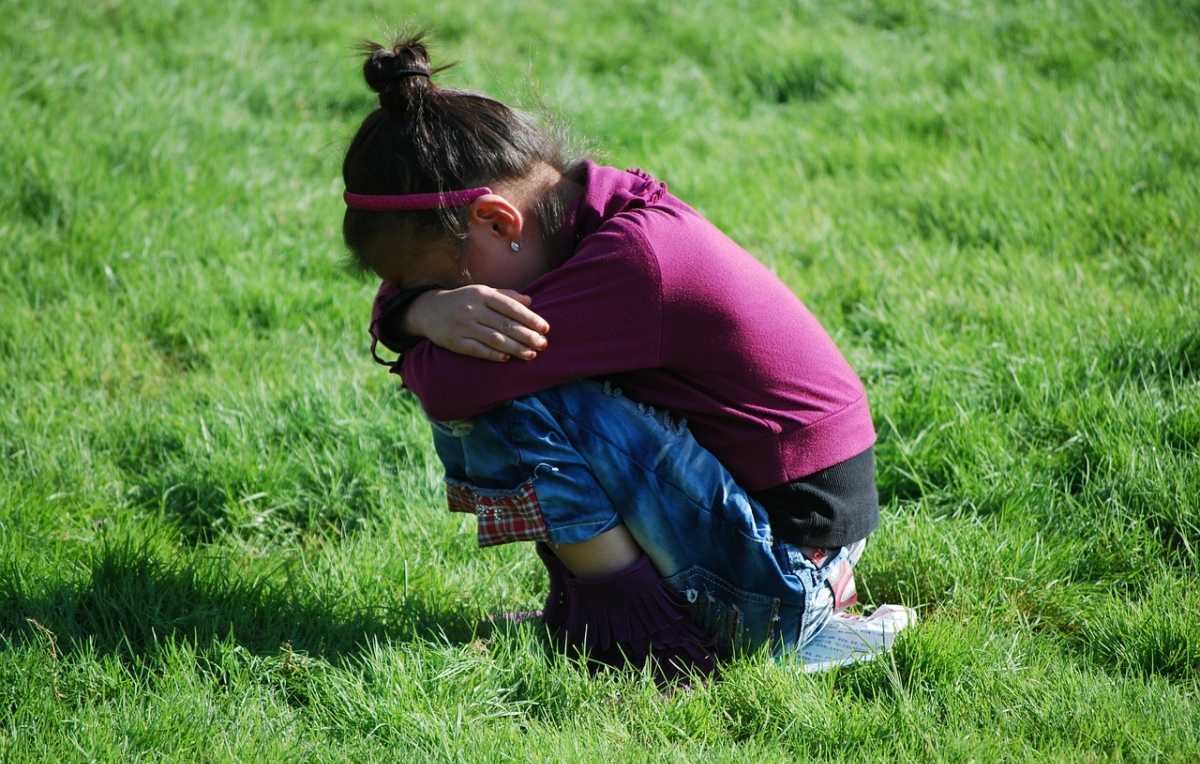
(425, 138)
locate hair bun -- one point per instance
(399, 74)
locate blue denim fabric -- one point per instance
(597, 458)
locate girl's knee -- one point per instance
(606, 552)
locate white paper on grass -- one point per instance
(851, 638)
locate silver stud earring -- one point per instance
(514, 246)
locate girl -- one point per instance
(724, 501)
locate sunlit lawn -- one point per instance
(222, 532)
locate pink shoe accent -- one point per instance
(845, 593)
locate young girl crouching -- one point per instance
(608, 375)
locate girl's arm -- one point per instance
(605, 307)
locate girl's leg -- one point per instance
(516, 470)
(710, 540)
(607, 552)
(570, 463)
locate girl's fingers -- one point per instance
(524, 299)
(477, 349)
(504, 303)
(510, 327)
(501, 343)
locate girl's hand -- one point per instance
(479, 321)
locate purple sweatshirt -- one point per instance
(659, 300)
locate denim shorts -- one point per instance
(568, 463)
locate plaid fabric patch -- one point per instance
(815, 554)
(502, 516)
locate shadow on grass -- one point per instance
(133, 601)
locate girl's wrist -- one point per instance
(411, 320)
(393, 325)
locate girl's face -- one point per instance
(407, 265)
(486, 256)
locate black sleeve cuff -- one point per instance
(388, 328)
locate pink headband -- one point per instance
(382, 202)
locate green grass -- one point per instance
(222, 534)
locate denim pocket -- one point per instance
(736, 618)
(502, 514)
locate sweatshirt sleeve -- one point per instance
(604, 307)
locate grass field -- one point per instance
(222, 532)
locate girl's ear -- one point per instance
(497, 214)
